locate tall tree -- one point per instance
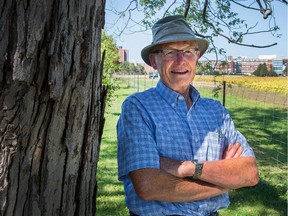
(51, 106)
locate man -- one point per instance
(178, 153)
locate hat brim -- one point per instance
(202, 45)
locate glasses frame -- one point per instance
(189, 52)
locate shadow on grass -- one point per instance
(263, 195)
(265, 130)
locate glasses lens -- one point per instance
(170, 53)
(173, 53)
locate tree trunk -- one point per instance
(51, 106)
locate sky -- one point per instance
(135, 40)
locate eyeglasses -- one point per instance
(190, 52)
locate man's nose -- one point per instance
(180, 57)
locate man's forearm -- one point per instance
(229, 173)
(156, 184)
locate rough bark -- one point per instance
(51, 106)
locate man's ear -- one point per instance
(198, 56)
(153, 61)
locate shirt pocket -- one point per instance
(210, 146)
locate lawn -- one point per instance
(269, 197)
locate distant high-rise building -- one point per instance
(278, 66)
(124, 54)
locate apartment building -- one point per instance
(124, 54)
(246, 66)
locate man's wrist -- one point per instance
(198, 166)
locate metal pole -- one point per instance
(224, 93)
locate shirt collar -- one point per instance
(172, 97)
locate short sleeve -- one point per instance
(135, 139)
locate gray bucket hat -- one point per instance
(172, 29)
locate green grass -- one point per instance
(269, 197)
(110, 198)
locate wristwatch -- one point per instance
(198, 169)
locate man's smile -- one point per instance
(180, 72)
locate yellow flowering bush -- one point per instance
(268, 84)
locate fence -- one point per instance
(260, 116)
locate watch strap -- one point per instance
(198, 170)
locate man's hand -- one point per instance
(233, 151)
(179, 169)
(183, 169)
(233, 171)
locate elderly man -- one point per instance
(178, 153)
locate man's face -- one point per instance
(176, 63)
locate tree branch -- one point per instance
(187, 7)
(172, 3)
(244, 6)
(204, 17)
(267, 11)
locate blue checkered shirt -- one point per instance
(157, 123)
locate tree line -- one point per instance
(262, 71)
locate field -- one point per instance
(269, 197)
(266, 84)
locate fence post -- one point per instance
(224, 93)
(138, 82)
